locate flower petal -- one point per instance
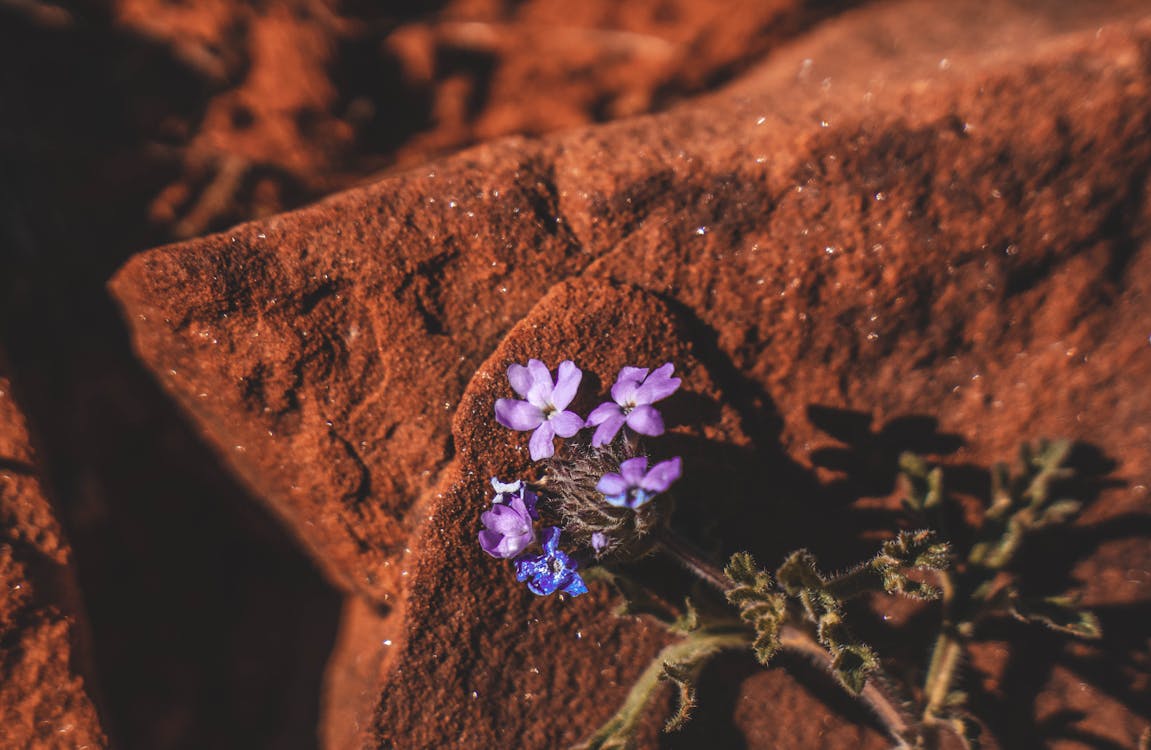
(517, 415)
(540, 373)
(631, 373)
(503, 520)
(622, 500)
(575, 586)
(645, 420)
(567, 383)
(637, 498)
(531, 565)
(606, 432)
(540, 393)
(623, 392)
(612, 484)
(566, 423)
(601, 413)
(521, 379)
(662, 475)
(659, 385)
(528, 499)
(540, 446)
(490, 542)
(633, 469)
(506, 488)
(551, 539)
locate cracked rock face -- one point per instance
(46, 692)
(865, 241)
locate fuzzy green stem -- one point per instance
(875, 695)
(877, 698)
(945, 655)
(854, 583)
(623, 724)
(689, 556)
(944, 660)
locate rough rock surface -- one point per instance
(125, 124)
(45, 685)
(866, 242)
(308, 96)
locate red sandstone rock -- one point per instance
(910, 212)
(307, 97)
(45, 692)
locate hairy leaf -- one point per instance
(618, 733)
(798, 573)
(759, 604)
(683, 675)
(1058, 613)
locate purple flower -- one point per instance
(599, 541)
(634, 393)
(543, 409)
(634, 485)
(552, 571)
(508, 525)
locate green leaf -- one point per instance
(853, 664)
(683, 676)
(1058, 613)
(798, 572)
(968, 730)
(955, 699)
(741, 568)
(759, 604)
(924, 484)
(1060, 511)
(766, 644)
(689, 620)
(934, 496)
(917, 549)
(618, 732)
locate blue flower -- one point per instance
(552, 571)
(634, 485)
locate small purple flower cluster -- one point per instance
(509, 526)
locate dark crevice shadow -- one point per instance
(211, 628)
(1112, 665)
(757, 481)
(713, 720)
(15, 466)
(758, 496)
(869, 457)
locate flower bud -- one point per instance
(610, 533)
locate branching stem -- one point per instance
(875, 695)
(945, 655)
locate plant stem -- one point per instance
(945, 654)
(876, 695)
(623, 724)
(690, 557)
(944, 659)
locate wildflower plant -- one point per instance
(601, 501)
